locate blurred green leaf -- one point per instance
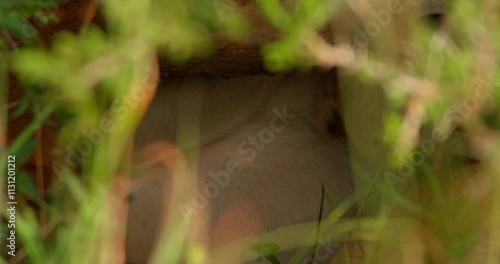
(27, 186)
(21, 108)
(25, 151)
(267, 250)
(275, 13)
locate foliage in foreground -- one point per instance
(435, 205)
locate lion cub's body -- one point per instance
(261, 162)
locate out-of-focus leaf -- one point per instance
(267, 250)
(282, 56)
(275, 13)
(236, 25)
(315, 13)
(26, 185)
(21, 109)
(25, 151)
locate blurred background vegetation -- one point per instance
(437, 186)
